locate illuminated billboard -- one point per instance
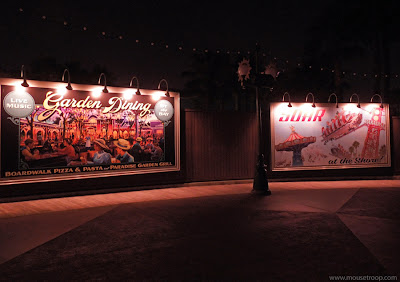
(329, 137)
(48, 130)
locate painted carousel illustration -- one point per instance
(295, 143)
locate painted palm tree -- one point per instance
(351, 150)
(356, 144)
(31, 119)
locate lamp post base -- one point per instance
(260, 183)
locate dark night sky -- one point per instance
(279, 26)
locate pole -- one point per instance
(260, 182)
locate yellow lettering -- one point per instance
(51, 104)
(146, 110)
(115, 105)
(81, 103)
(65, 103)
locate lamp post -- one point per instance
(260, 181)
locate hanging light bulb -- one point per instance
(381, 106)
(358, 100)
(137, 82)
(313, 102)
(105, 90)
(69, 87)
(159, 86)
(329, 99)
(24, 83)
(283, 99)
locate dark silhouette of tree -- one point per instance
(49, 69)
(211, 81)
(349, 29)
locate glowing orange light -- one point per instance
(19, 88)
(62, 90)
(129, 94)
(96, 93)
(351, 107)
(157, 95)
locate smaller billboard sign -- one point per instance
(329, 137)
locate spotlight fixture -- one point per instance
(313, 102)
(381, 106)
(159, 86)
(105, 82)
(283, 99)
(24, 83)
(358, 100)
(69, 87)
(329, 99)
(137, 83)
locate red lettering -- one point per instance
(299, 113)
(284, 117)
(320, 113)
(309, 116)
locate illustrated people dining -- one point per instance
(28, 154)
(47, 148)
(68, 150)
(148, 149)
(136, 150)
(157, 153)
(101, 155)
(122, 147)
(87, 143)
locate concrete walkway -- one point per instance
(304, 230)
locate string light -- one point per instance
(180, 48)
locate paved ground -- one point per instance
(304, 231)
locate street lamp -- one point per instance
(260, 182)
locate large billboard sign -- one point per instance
(329, 137)
(49, 130)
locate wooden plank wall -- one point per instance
(220, 146)
(396, 144)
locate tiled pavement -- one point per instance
(303, 231)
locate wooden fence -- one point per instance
(220, 146)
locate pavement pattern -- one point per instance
(304, 231)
